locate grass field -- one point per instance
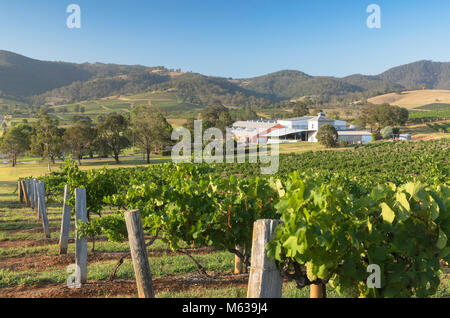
(413, 99)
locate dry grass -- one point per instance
(413, 99)
(176, 122)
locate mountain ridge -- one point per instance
(24, 78)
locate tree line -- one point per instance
(144, 127)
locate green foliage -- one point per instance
(331, 232)
(374, 211)
(444, 127)
(379, 116)
(300, 109)
(79, 139)
(150, 129)
(327, 136)
(429, 116)
(47, 142)
(387, 132)
(112, 135)
(16, 141)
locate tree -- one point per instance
(16, 142)
(387, 132)
(327, 136)
(379, 116)
(210, 114)
(150, 129)
(79, 139)
(224, 121)
(112, 135)
(300, 109)
(47, 141)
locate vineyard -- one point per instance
(386, 204)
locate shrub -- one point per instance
(327, 136)
(387, 132)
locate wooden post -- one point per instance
(81, 243)
(27, 184)
(35, 186)
(65, 223)
(42, 207)
(139, 254)
(25, 193)
(318, 291)
(33, 193)
(20, 191)
(238, 264)
(265, 279)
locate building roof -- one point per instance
(354, 133)
(255, 124)
(283, 132)
(298, 118)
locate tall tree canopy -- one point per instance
(300, 109)
(79, 139)
(379, 116)
(112, 135)
(47, 142)
(15, 142)
(150, 129)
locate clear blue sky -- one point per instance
(232, 38)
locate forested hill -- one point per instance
(22, 77)
(39, 82)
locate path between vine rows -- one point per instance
(122, 287)
(104, 288)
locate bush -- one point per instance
(387, 132)
(375, 136)
(327, 136)
(166, 153)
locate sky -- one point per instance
(231, 38)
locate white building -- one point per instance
(293, 130)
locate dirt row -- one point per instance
(43, 263)
(124, 288)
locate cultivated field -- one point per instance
(31, 267)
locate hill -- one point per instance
(38, 83)
(413, 99)
(22, 77)
(432, 75)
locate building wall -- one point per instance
(354, 139)
(294, 124)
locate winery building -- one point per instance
(293, 130)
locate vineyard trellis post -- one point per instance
(35, 186)
(20, 191)
(65, 222)
(238, 263)
(80, 243)
(42, 207)
(139, 254)
(32, 193)
(265, 279)
(26, 190)
(318, 291)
